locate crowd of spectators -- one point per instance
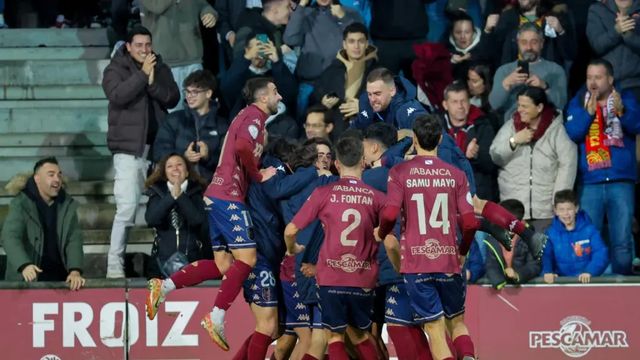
(536, 113)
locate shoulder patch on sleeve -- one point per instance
(253, 131)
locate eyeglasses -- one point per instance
(196, 92)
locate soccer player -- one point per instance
(347, 268)
(432, 194)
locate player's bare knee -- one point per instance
(247, 256)
(223, 261)
(356, 335)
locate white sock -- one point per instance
(167, 286)
(217, 315)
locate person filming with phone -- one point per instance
(529, 70)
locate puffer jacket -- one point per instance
(571, 253)
(533, 173)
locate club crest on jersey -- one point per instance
(432, 249)
(349, 263)
(469, 198)
(253, 131)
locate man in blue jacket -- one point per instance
(390, 99)
(575, 247)
(604, 124)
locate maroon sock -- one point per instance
(231, 284)
(195, 273)
(337, 351)
(403, 342)
(500, 216)
(257, 349)
(464, 346)
(309, 357)
(451, 347)
(367, 350)
(243, 351)
(423, 349)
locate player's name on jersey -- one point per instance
(351, 199)
(449, 183)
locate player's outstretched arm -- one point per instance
(290, 233)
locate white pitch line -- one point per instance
(508, 303)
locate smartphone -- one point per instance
(524, 67)
(263, 38)
(195, 148)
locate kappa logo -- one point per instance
(300, 306)
(239, 239)
(256, 121)
(394, 289)
(254, 287)
(390, 312)
(575, 338)
(234, 217)
(410, 111)
(364, 113)
(237, 228)
(256, 297)
(296, 295)
(251, 276)
(294, 284)
(234, 193)
(303, 317)
(232, 206)
(392, 300)
(236, 176)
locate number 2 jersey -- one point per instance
(431, 194)
(348, 210)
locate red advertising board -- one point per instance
(542, 322)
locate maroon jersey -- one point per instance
(348, 210)
(246, 133)
(431, 193)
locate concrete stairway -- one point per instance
(52, 103)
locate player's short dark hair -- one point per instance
(456, 87)
(349, 151)
(201, 79)
(138, 30)
(305, 155)
(428, 130)
(41, 162)
(459, 15)
(356, 27)
(515, 207)
(281, 148)
(253, 86)
(602, 62)
(320, 109)
(565, 196)
(381, 73)
(383, 133)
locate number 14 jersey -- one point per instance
(431, 193)
(348, 210)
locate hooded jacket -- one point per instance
(23, 233)
(319, 34)
(571, 253)
(622, 51)
(130, 96)
(623, 159)
(524, 264)
(533, 173)
(401, 112)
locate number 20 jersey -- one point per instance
(431, 193)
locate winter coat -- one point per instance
(252, 23)
(623, 159)
(571, 253)
(401, 112)
(623, 52)
(175, 26)
(533, 173)
(319, 35)
(480, 51)
(193, 232)
(182, 127)
(130, 95)
(23, 234)
(524, 264)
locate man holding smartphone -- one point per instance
(530, 70)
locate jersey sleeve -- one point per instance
(464, 201)
(309, 211)
(395, 190)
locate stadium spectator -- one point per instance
(467, 44)
(270, 21)
(575, 247)
(391, 99)
(197, 131)
(229, 12)
(517, 266)
(479, 83)
(613, 32)
(535, 156)
(139, 87)
(531, 70)
(318, 122)
(3, 25)
(473, 133)
(341, 84)
(41, 235)
(176, 27)
(559, 44)
(603, 121)
(176, 212)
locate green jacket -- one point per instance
(23, 235)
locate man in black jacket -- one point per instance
(140, 89)
(196, 131)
